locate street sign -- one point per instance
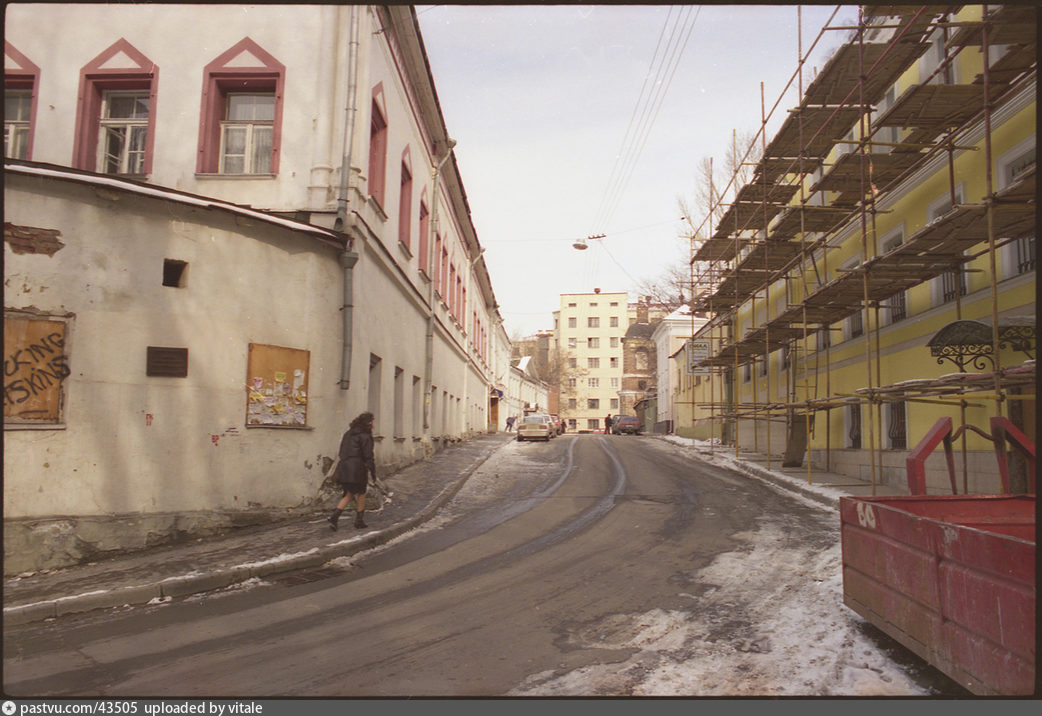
(697, 350)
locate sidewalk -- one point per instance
(250, 552)
(255, 552)
(820, 486)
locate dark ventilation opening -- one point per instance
(166, 362)
(174, 273)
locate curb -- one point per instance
(762, 473)
(195, 583)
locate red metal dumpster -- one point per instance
(952, 578)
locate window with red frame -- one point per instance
(437, 263)
(452, 289)
(405, 203)
(444, 278)
(377, 148)
(18, 104)
(21, 78)
(240, 130)
(115, 122)
(425, 238)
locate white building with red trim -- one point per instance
(246, 225)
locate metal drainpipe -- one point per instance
(428, 369)
(348, 258)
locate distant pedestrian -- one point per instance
(510, 424)
(607, 425)
(356, 467)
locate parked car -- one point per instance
(535, 427)
(627, 425)
(558, 424)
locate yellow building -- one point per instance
(589, 328)
(877, 274)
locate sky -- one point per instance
(574, 121)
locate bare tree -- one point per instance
(671, 288)
(716, 182)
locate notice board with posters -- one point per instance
(35, 368)
(277, 386)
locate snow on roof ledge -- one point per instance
(64, 173)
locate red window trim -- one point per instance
(437, 263)
(452, 289)
(218, 79)
(425, 231)
(25, 76)
(405, 201)
(94, 78)
(378, 146)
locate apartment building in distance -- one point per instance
(589, 328)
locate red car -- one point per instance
(558, 424)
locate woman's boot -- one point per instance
(359, 522)
(333, 519)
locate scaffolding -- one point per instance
(779, 230)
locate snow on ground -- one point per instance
(769, 622)
(722, 456)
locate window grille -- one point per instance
(1025, 249)
(854, 434)
(898, 309)
(897, 431)
(857, 326)
(953, 283)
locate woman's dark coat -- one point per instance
(356, 460)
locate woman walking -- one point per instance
(355, 468)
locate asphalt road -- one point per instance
(586, 566)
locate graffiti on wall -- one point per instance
(35, 365)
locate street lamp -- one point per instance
(581, 245)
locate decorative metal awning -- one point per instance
(971, 342)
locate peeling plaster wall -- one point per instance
(131, 447)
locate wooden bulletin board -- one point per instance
(35, 366)
(277, 386)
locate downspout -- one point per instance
(428, 368)
(348, 258)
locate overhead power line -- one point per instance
(646, 110)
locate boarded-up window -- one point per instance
(35, 366)
(277, 386)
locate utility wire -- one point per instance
(572, 239)
(635, 138)
(623, 149)
(663, 89)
